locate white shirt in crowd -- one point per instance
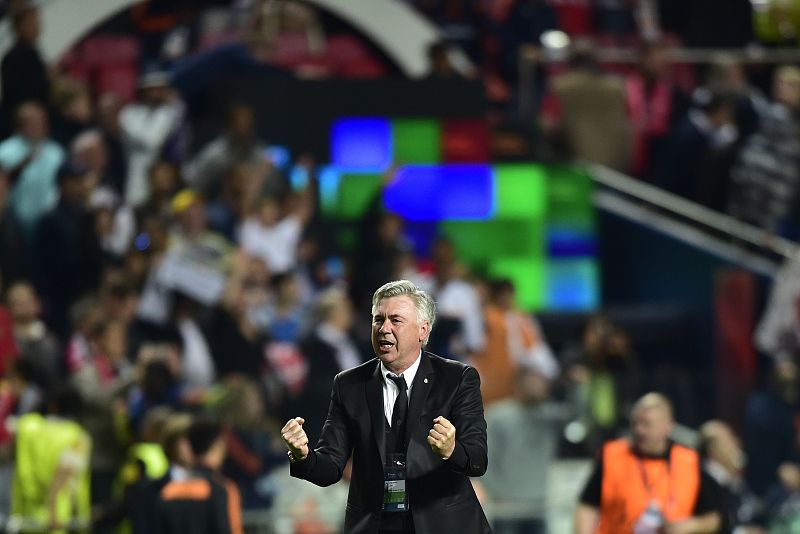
(276, 245)
(198, 366)
(458, 299)
(390, 391)
(346, 352)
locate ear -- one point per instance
(424, 330)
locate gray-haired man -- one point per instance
(413, 422)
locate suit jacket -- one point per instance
(440, 494)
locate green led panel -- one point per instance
(416, 141)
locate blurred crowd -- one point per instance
(151, 284)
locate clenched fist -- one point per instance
(442, 437)
(295, 438)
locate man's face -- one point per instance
(22, 303)
(397, 334)
(651, 429)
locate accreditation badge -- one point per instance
(395, 498)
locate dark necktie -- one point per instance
(400, 412)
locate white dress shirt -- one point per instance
(390, 390)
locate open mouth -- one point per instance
(385, 344)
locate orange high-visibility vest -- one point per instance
(631, 482)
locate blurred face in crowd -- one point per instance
(115, 340)
(157, 95)
(786, 88)
(109, 107)
(532, 387)
(397, 334)
(91, 153)
(655, 61)
(723, 446)
(29, 25)
(269, 212)
(79, 107)
(163, 179)
(23, 303)
(242, 123)
(32, 122)
(651, 426)
(193, 219)
(390, 228)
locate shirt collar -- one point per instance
(408, 374)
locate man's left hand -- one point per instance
(442, 437)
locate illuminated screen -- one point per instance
(529, 222)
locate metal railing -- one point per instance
(716, 233)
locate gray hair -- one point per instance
(423, 302)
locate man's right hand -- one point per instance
(295, 438)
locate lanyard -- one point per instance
(649, 487)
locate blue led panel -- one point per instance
(572, 284)
(361, 145)
(329, 180)
(439, 192)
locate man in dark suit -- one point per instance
(413, 422)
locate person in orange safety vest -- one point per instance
(647, 484)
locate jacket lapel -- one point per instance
(374, 391)
(423, 381)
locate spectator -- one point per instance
(238, 144)
(31, 161)
(697, 148)
(145, 495)
(606, 366)
(204, 502)
(32, 338)
(147, 125)
(460, 330)
(765, 177)
(654, 104)
(586, 108)
(286, 317)
(724, 461)
(66, 250)
(14, 245)
(193, 236)
(8, 345)
(528, 421)
(89, 153)
(165, 182)
(328, 350)
(72, 112)
(23, 70)
(274, 236)
(51, 476)
(197, 360)
(441, 68)
(513, 340)
(648, 483)
(114, 224)
(109, 106)
(769, 433)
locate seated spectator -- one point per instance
(147, 125)
(165, 182)
(204, 502)
(513, 340)
(31, 160)
(89, 153)
(273, 235)
(199, 369)
(51, 476)
(192, 234)
(238, 144)
(24, 72)
(114, 224)
(35, 343)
